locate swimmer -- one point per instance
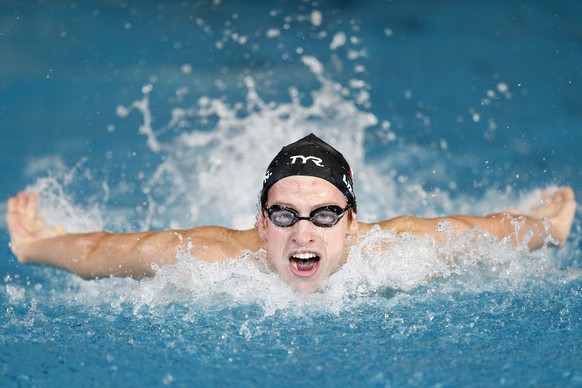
(306, 225)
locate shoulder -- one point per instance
(216, 243)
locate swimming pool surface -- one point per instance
(148, 115)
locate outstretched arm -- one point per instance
(553, 219)
(101, 254)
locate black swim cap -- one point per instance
(311, 156)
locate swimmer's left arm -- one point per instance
(553, 219)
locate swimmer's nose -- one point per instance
(304, 232)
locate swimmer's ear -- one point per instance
(354, 226)
(262, 226)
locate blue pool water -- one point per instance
(149, 115)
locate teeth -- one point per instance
(305, 256)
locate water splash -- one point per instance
(60, 207)
(381, 266)
(226, 165)
(213, 175)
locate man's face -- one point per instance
(303, 254)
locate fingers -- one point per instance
(568, 194)
(559, 196)
(16, 202)
(562, 219)
(563, 197)
(23, 205)
(30, 206)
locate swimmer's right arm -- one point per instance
(102, 254)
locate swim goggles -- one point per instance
(324, 217)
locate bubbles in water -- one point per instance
(186, 68)
(339, 39)
(15, 293)
(29, 319)
(168, 379)
(316, 18)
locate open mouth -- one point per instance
(304, 264)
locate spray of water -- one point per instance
(213, 177)
(226, 165)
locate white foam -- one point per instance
(60, 208)
(226, 165)
(381, 264)
(213, 177)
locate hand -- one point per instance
(559, 209)
(26, 225)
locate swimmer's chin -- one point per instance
(306, 287)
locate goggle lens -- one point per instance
(324, 217)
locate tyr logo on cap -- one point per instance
(311, 156)
(317, 161)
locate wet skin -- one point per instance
(305, 255)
